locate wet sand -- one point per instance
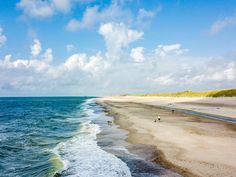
(187, 144)
(112, 139)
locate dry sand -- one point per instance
(223, 106)
(188, 144)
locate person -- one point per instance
(109, 122)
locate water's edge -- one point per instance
(113, 140)
(82, 156)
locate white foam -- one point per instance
(84, 158)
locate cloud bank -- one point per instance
(164, 68)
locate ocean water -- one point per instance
(52, 136)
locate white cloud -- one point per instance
(163, 80)
(93, 64)
(36, 8)
(48, 57)
(8, 63)
(144, 16)
(3, 38)
(46, 8)
(94, 15)
(198, 74)
(73, 25)
(112, 72)
(76, 61)
(39, 76)
(97, 74)
(118, 36)
(168, 50)
(116, 12)
(224, 73)
(62, 5)
(230, 71)
(137, 54)
(36, 48)
(221, 24)
(90, 16)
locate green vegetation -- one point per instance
(210, 93)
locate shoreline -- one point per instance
(154, 155)
(112, 139)
(169, 151)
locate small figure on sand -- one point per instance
(172, 111)
(158, 118)
(109, 122)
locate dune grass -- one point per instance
(210, 93)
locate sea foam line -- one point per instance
(82, 156)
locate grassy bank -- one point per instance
(210, 93)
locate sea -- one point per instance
(64, 137)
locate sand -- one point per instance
(187, 144)
(223, 106)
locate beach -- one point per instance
(188, 144)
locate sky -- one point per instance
(105, 47)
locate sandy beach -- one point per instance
(190, 145)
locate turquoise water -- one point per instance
(53, 137)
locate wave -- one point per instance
(81, 156)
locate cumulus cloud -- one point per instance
(8, 63)
(93, 64)
(137, 54)
(35, 48)
(221, 24)
(41, 75)
(3, 38)
(48, 56)
(118, 36)
(168, 50)
(112, 72)
(97, 74)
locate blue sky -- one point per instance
(88, 47)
